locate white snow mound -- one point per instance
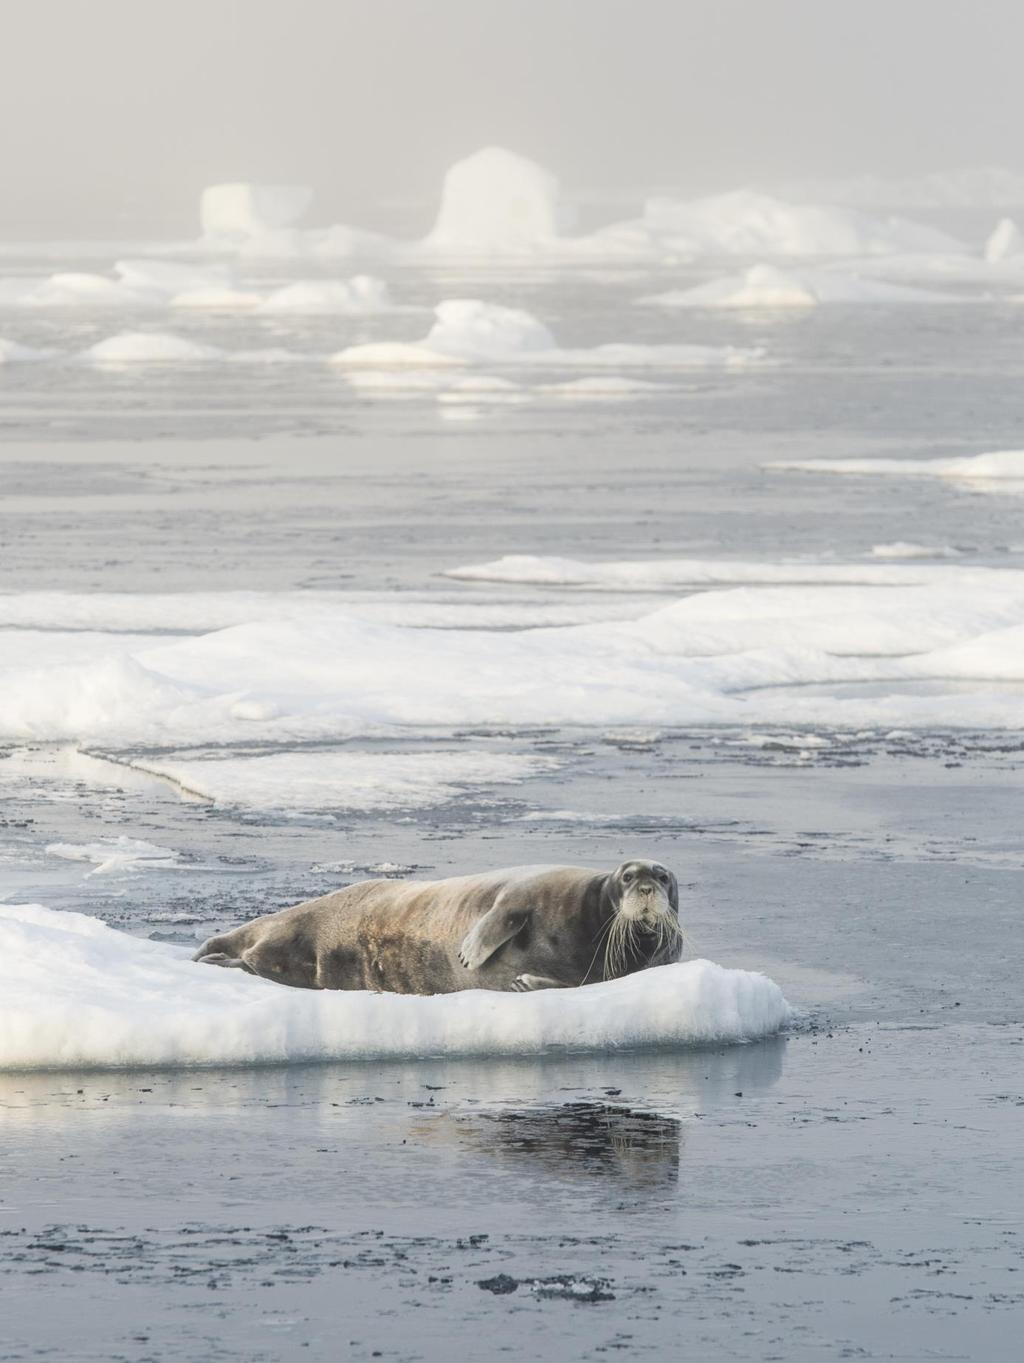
(76, 993)
(240, 210)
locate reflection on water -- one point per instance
(581, 1140)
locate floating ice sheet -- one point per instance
(769, 286)
(75, 993)
(1001, 465)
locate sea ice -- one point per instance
(768, 286)
(358, 295)
(864, 643)
(1001, 465)
(76, 993)
(749, 224)
(1006, 240)
(150, 347)
(115, 854)
(468, 331)
(496, 202)
(245, 210)
(356, 781)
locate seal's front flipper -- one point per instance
(223, 959)
(525, 984)
(497, 927)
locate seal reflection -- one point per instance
(575, 1141)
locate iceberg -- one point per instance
(496, 202)
(238, 210)
(75, 993)
(1006, 241)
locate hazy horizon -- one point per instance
(115, 115)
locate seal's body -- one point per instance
(529, 927)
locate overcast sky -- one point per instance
(115, 113)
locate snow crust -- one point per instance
(769, 286)
(76, 993)
(240, 210)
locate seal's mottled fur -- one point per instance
(528, 927)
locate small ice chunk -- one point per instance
(1006, 240)
(115, 854)
(150, 347)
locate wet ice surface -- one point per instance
(850, 1190)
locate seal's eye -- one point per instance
(627, 877)
(662, 875)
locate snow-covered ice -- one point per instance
(863, 643)
(358, 781)
(496, 201)
(239, 210)
(469, 331)
(1000, 465)
(750, 224)
(769, 286)
(1006, 241)
(75, 993)
(111, 855)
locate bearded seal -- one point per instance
(524, 928)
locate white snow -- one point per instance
(1001, 465)
(768, 286)
(76, 993)
(1006, 241)
(241, 210)
(356, 781)
(469, 331)
(496, 202)
(110, 855)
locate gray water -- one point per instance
(850, 1190)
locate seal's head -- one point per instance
(645, 927)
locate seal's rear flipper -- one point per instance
(497, 927)
(222, 958)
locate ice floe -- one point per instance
(866, 643)
(469, 331)
(75, 993)
(1001, 465)
(769, 286)
(135, 285)
(111, 855)
(746, 223)
(357, 781)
